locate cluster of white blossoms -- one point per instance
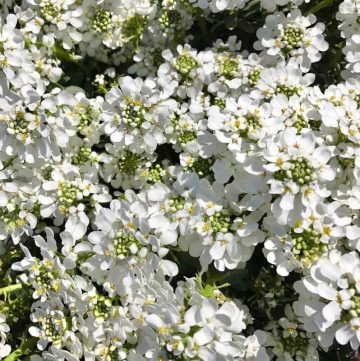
(170, 195)
(216, 6)
(4, 329)
(349, 15)
(112, 31)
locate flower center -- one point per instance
(134, 113)
(53, 328)
(184, 64)
(219, 221)
(169, 19)
(125, 244)
(101, 22)
(47, 10)
(307, 246)
(228, 67)
(11, 218)
(354, 311)
(129, 162)
(155, 173)
(186, 136)
(176, 204)
(101, 308)
(292, 38)
(286, 90)
(82, 156)
(301, 172)
(85, 118)
(254, 76)
(20, 126)
(133, 27)
(202, 166)
(296, 344)
(299, 122)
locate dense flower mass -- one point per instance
(179, 180)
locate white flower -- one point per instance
(292, 38)
(5, 349)
(333, 289)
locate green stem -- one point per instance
(24, 348)
(224, 285)
(11, 288)
(319, 6)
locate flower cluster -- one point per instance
(4, 328)
(180, 180)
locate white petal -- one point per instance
(331, 311)
(344, 334)
(204, 336)
(287, 202)
(217, 250)
(169, 268)
(327, 292)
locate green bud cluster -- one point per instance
(133, 27)
(300, 122)
(68, 194)
(228, 68)
(82, 156)
(129, 162)
(134, 113)
(254, 76)
(11, 218)
(202, 166)
(176, 204)
(45, 276)
(354, 311)
(301, 172)
(101, 22)
(184, 64)
(357, 99)
(47, 10)
(253, 122)
(293, 37)
(51, 331)
(296, 345)
(19, 126)
(112, 355)
(169, 19)
(125, 244)
(219, 221)
(307, 246)
(85, 119)
(355, 307)
(337, 101)
(154, 173)
(175, 121)
(186, 136)
(219, 102)
(102, 306)
(286, 90)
